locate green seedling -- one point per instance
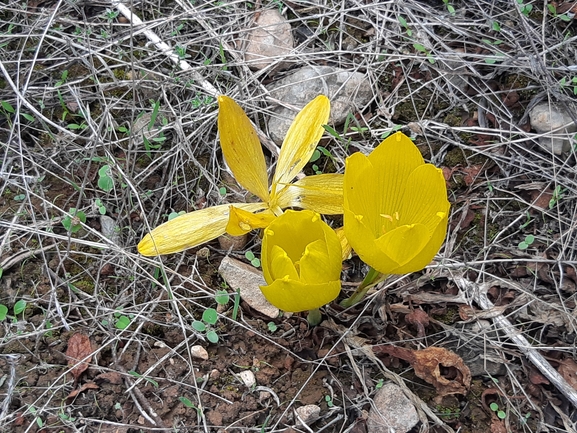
(529, 239)
(252, 259)
(19, 307)
(403, 23)
(422, 49)
(177, 30)
(449, 7)
(105, 180)
(390, 131)
(558, 193)
(148, 379)
(496, 26)
(495, 408)
(221, 297)
(570, 83)
(209, 319)
(553, 11)
(525, 8)
(19, 197)
(329, 401)
(185, 401)
(34, 412)
(222, 191)
(528, 220)
(3, 311)
(380, 383)
(271, 327)
(101, 208)
(111, 15)
(74, 221)
(121, 321)
(181, 52)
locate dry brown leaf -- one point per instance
(419, 319)
(568, 369)
(440, 367)
(74, 393)
(79, 354)
(112, 377)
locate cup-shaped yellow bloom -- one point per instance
(301, 262)
(242, 151)
(395, 207)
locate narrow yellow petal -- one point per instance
(345, 246)
(301, 140)
(190, 230)
(321, 193)
(241, 148)
(241, 221)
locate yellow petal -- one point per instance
(241, 221)
(294, 296)
(301, 140)
(345, 246)
(316, 266)
(321, 193)
(281, 266)
(241, 148)
(190, 230)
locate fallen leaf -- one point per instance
(111, 377)
(419, 319)
(74, 393)
(537, 378)
(79, 354)
(568, 369)
(440, 367)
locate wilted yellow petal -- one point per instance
(294, 296)
(301, 140)
(321, 193)
(241, 148)
(241, 221)
(190, 230)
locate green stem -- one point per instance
(372, 278)
(314, 317)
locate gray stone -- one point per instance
(110, 229)
(307, 414)
(552, 118)
(269, 41)
(347, 91)
(392, 411)
(239, 275)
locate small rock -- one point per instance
(247, 378)
(199, 352)
(110, 229)
(308, 414)
(269, 41)
(392, 411)
(547, 117)
(347, 91)
(239, 275)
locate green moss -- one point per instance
(450, 316)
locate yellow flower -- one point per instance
(395, 207)
(243, 154)
(301, 262)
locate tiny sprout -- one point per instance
(272, 326)
(221, 297)
(529, 239)
(495, 408)
(252, 259)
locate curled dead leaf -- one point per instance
(79, 354)
(419, 319)
(74, 393)
(443, 369)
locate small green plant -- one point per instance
(553, 11)
(222, 191)
(74, 221)
(221, 297)
(100, 206)
(252, 259)
(525, 8)
(422, 49)
(111, 15)
(403, 23)
(105, 180)
(148, 379)
(120, 320)
(500, 413)
(558, 193)
(529, 239)
(209, 319)
(19, 307)
(329, 401)
(236, 304)
(173, 215)
(185, 401)
(3, 311)
(272, 327)
(570, 83)
(449, 7)
(181, 52)
(496, 26)
(380, 383)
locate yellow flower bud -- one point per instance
(301, 261)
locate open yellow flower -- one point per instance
(301, 262)
(395, 207)
(243, 154)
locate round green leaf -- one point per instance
(3, 311)
(221, 297)
(210, 316)
(212, 337)
(494, 407)
(122, 323)
(199, 326)
(19, 307)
